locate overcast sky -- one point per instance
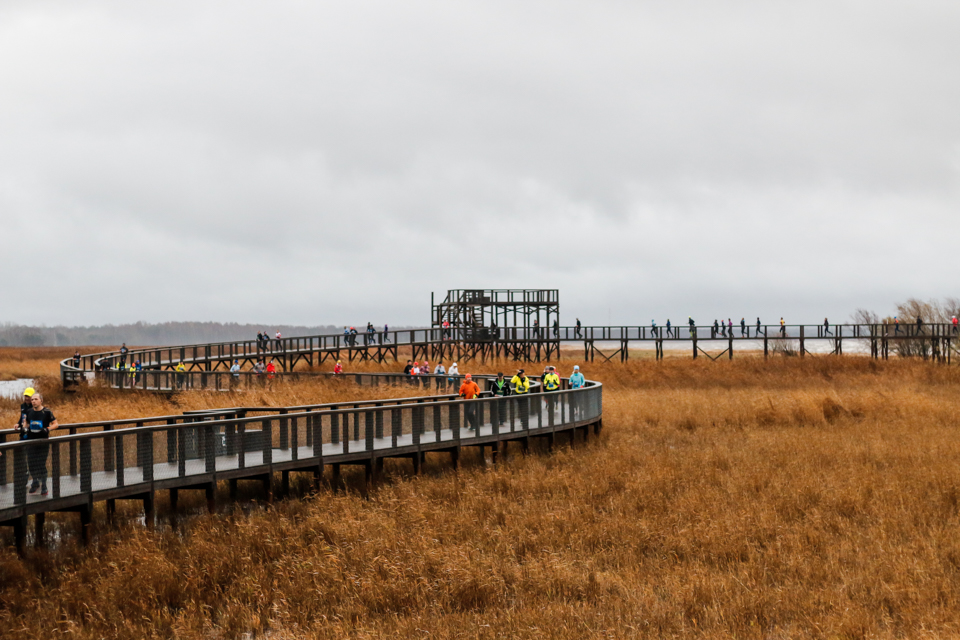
(309, 162)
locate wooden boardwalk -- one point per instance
(133, 459)
(522, 344)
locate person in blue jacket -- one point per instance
(576, 378)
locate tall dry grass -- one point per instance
(780, 499)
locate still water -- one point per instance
(14, 388)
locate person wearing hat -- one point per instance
(469, 391)
(551, 381)
(36, 425)
(338, 368)
(576, 381)
(519, 383)
(24, 407)
(521, 387)
(500, 389)
(576, 378)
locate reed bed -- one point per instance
(780, 499)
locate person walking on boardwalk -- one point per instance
(470, 391)
(445, 334)
(25, 406)
(896, 325)
(499, 386)
(536, 328)
(956, 327)
(716, 328)
(669, 329)
(385, 339)
(653, 328)
(577, 381)
(783, 328)
(693, 326)
(551, 384)
(235, 371)
(556, 328)
(521, 387)
(759, 326)
(408, 370)
(577, 331)
(743, 328)
(919, 325)
(271, 371)
(123, 355)
(37, 423)
(551, 381)
(440, 370)
(76, 359)
(181, 374)
(259, 341)
(520, 383)
(826, 328)
(500, 389)
(258, 370)
(338, 368)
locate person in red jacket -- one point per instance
(271, 370)
(468, 391)
(338, 369)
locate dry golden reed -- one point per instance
(753, 499)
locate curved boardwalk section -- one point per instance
(133, 459)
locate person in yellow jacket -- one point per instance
(180, 374)
(520, 383)
(551, 381)
(521, 387)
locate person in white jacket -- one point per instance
(440, 370)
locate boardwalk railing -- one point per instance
(518, 343)
(133, 459)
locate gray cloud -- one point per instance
(323, 163)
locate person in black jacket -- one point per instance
(501, 389)
(36, 424)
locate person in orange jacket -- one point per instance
(468, 391)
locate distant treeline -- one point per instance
(144, 334)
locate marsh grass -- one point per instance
(813, 497)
